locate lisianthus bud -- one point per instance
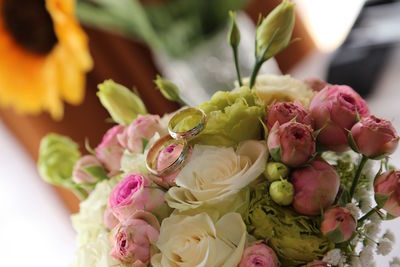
(315, 187)
(168, 89)
(134, 240)
(335, 110)
(275, 171)
(286, 111)
(275, 31)
(374, 137)
(88, 170)
(291, 143)
(109, 151)
(57, 157)
(338, 224)
(259, 255)
(139, 132)
(166, 157)
(315, 84)
(387, 192)
(136, 192)
(122, 104)
(234, 33)
(281, 192)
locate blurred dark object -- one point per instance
(362, 57)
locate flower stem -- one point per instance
(367, 215)
(256, 69)
(364, 160)
(236, 59)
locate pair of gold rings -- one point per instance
(183, 126)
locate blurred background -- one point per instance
(353, 42)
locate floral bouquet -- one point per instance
(276, 172)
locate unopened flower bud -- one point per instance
(282, 192)
(88, 170)
(275, 31)
(122, 104)
(168, 89)
(275, 171)
(234, 33)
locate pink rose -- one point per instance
(143, 127)
(259, 255)
(315, 84)
(166, 157)
(109, 151)
(291, 143)
(338, 224)
(134, 192)
(387, 192)
(79, 175)
(375, 137)
(132, 240)
(335, 109)
(283, 112)
(315, 187)
(109, 219)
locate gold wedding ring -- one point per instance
(152, 156)
(187, 123)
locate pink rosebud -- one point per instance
(259, 255)
(375, 137)
(142, 128)
(291, 143)
(134, 192)
(132, 240)
(283, 112)
(315, 187)
(109, 219)
(338, 224)
(334, 110)
(315, 84)
(109, 151)
(79, 175)
(387, 192)
(166, 157)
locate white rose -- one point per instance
(270, 88)
(197, 241)
(215, 173)
(88, 223)
(96, 253)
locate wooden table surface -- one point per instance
(128, 63)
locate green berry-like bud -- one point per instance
(234, 33)
(275, 171)
(122, 104)
(282, 192)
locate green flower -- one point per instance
(296, 239)
(57, 157)
(122, 104)
(232, 117)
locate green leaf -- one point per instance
(276, 153)
(351, 141)
(265, 129)
(317, 132)
(144, 144)
(335, 235)
(381, 199)
(96, 171)
(89, 148)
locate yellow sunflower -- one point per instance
(44, 56)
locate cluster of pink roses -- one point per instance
(337, 119)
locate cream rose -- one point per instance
(281, 88)
(198, 241)
(215, 173)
